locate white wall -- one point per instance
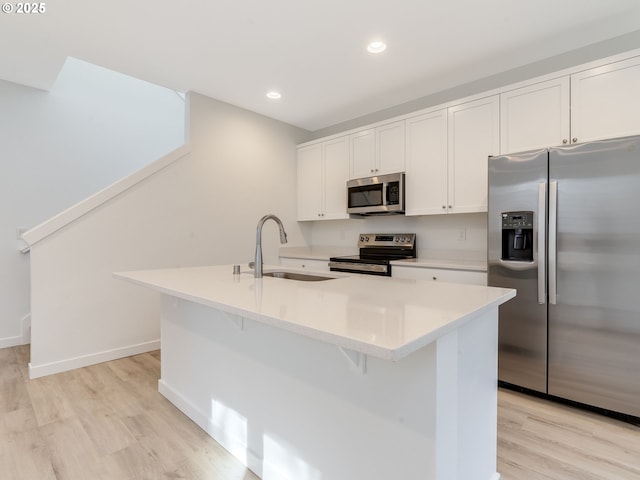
(203, 209)
(56, 148)
(437, 234)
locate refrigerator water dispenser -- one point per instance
(517, 236)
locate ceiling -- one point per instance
(312, 51)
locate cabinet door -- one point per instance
(336, 173)
(310, 182)
(474, 134)
(426, 179)
(535, 116)
(363, 153)
(604, 101)
(390, 148)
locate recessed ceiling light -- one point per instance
(273, 95)
(376, 47)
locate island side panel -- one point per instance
(478, 397)
(291, 407)
(467, 400)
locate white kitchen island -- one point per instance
(354, 378)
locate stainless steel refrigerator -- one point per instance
(564, 230)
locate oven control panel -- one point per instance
(386, 240)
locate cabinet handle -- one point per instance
(565, 141)
(574, 139)
(444, 207)
(450, 206)
(435, 278)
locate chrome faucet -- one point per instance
(257, 264)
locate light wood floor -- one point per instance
(108, 421)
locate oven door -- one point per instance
(357, 265)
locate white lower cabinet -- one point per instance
(311, 265)
(471, 277)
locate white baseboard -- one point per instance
(36, 371)
(22, 339)
(10, 341)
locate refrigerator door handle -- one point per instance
(542, 234)
(553, 231)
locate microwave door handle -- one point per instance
(384, 194)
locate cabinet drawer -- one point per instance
(470, 277)
(311, 265)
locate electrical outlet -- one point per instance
(461, 234)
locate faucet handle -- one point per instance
(252, 265)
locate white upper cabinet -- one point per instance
(426, 179)
(378, 151)
(322, 180)
(390, 148)
(605, 101)
(363, 153)
(535, 116)
(310, 182)
(336, 173)
(474, 135)
(445, 150)
(447, 156)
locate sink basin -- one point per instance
(303, 277)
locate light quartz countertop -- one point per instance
(448, 259)
(384, 317)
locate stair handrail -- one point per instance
(71, 214)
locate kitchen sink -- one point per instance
(302, 277)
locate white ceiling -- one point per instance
(313, 51)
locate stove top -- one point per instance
(377, 250)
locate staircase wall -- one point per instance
(92, 128)
(201, 209)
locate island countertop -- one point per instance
(384, 317)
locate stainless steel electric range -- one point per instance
(377, 251)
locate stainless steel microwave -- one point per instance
(379, 195)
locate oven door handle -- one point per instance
(361, 267)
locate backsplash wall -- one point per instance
(464, 233)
